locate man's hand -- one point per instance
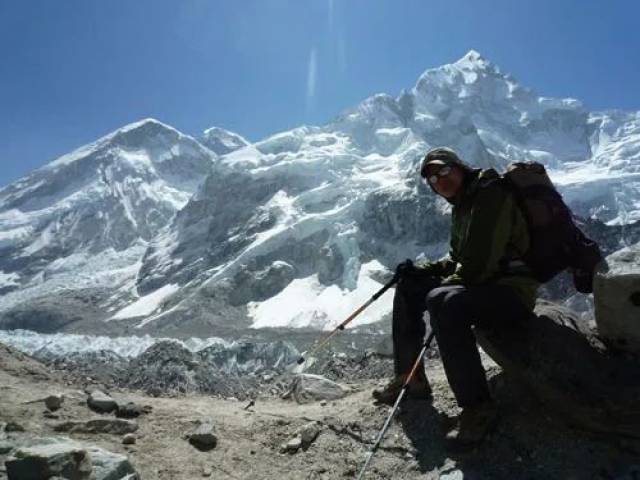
(408, 268)
(405, 268)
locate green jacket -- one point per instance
(488, 235)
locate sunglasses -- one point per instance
(443, 172)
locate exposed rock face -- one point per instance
(222, 141)
(260, 285)
(617, 300)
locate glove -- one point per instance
(405, 268)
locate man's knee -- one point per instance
(445, 305)
(437, 297)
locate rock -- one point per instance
(65, 459)
(292, 446)
(308, 433)
(204, 437)
(617, 300)
(53, 402)
(207, 472)
(129, 410)
(100, 402)
(61, 457)
(129, 439)
(111, 466)
(51, 415)
(251, 285)
(308, 388)
(569, 370)
(116, 426)
(13, 427)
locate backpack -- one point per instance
(556, 242)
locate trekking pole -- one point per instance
(405, 387)
(340, 327)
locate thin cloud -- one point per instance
(312, 72)
(342, 53)
(330, 16)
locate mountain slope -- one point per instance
(84, 220)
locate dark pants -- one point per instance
(453, 311)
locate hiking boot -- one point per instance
(473, 425)
(419, 388)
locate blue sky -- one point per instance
(74, 70)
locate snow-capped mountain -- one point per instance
(84, 220)
(299, 229)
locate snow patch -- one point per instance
(147, 304)
(307, 303)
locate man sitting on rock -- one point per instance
(481, 283)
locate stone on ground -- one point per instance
(308, 388)
(100, 402)
(204, 437)
(53, 402)
(67, 460)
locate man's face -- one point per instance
(448, 179)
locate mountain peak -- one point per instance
(132, 135)
(222, 141)
(473, 60)
(146, 124)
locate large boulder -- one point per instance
(65, 459)
(111, 466)
(557, 354)
(617, 300)
(61, 457)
